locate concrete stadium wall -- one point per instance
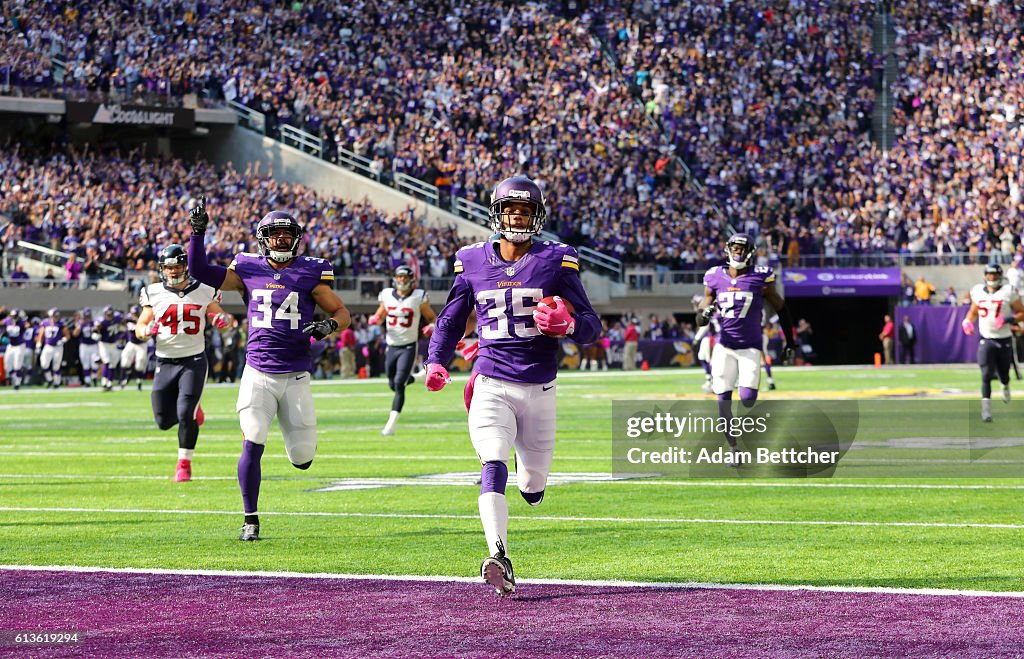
(241, 147)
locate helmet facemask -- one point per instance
(739, 251)
(264, 235)
(506, 219)
(996, 271)
(404, 280)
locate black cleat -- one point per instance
(771, 386)
(497, 571)
(250, 532)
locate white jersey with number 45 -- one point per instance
(182, 317)
(991, 304)
(403, 315)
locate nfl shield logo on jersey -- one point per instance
(510, 271)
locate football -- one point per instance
(549, 302)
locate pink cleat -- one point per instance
(183, 472)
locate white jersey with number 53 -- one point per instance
(993, 304)
(182, 317)
(403, 315)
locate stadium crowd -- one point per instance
(770, 106)
(121, 209)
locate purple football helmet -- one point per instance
(53, 314)
(108, 312)
(278, 220)
(739, 251)
(517, 189)
(87, 314)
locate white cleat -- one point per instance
(986, 410)
(1006, 393)
(388, 430)
(706, 387)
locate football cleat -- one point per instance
(250, 532)
(1006, 393)
(771, 386)
(138, 384)
(184, 471)
(986, 410)
(200, 415)
(388, 430)
(497, 571)
(706, 387)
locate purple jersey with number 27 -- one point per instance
(740, 302)
(280, 303)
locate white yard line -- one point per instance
(551, 582)
(398, 481)
(543, 518)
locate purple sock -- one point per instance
(725, 412)
(707, 367)
(493, 477)
(768, 368)
(748, 396)
(249, 475)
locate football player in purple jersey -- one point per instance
(18, 358)
(53, 334)
(738, 291)
(511, 393)
(281, 291)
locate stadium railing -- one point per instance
(901, 260)
(417, 188)
(302, 140)
(257, 121)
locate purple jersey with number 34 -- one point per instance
(280, 303)
(740, 302)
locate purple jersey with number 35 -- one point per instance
(280, 303)
(504, 295)
(740, 302)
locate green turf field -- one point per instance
(85, 479)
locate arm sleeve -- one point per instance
(450, 325)
(588, 323)
(200, 268)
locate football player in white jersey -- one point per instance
(401, 308)
(174, 312)
(991, 303)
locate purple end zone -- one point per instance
(136, 615)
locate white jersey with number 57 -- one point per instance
(182, 317)
(402, 321)
(992, 304)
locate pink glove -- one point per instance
(154, 328)
(968, 327)
(373, 320)
(467, 393)
(998, 322)
(555, 321)
(467, 350)
(437, 377)
(218, 320)
(428, 330)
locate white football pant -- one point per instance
(261, 396)
(503, 415)
(731, 368)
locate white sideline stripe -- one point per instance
(164, 454)
(408, 480)
(542, 518)
(673, 585)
